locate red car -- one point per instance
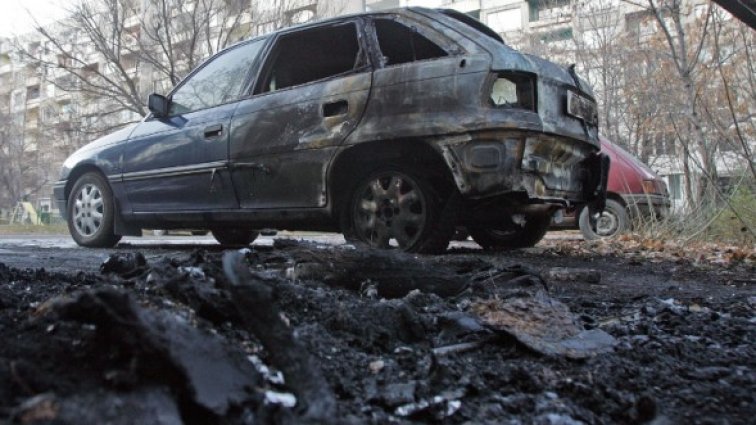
(634, 193)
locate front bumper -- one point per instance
(647, 205)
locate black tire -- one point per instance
(395, 205)
(234, 237)
(512, 236)
(612, 222)
(91, 212)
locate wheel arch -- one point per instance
(79, 171)
(357, 161)
(616, 197)
(120, 226)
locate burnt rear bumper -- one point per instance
(527, 168)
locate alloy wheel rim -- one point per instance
(390, 208)
(89, 210)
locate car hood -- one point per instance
(617, 153)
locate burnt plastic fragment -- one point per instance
(255, 301)
(210, 375)
(126, 265)
(544, 325)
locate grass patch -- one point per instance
(28, 229)
(732, 227)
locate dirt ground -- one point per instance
(298, 332)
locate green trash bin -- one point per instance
(44, 218)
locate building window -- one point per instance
(664, 144)
(505, 20)
(17, 100)
(48, 114)
(563, 34)
(548, 9)
(32, 92)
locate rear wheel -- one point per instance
(234, 237)
(612, 222)
(392, 207)
(512, 235)
(91, 212)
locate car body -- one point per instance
(634, 194)
(392, 127)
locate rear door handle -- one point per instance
(332, 109)
(213, 131)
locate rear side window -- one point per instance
(313, 55)
(219, 81)
(401, 44)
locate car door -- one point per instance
(180, 162)
(309, 96)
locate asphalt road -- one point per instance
(60, 252)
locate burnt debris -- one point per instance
(302, 333)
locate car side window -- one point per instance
(312, 55)
(219, 81)
(401, 44)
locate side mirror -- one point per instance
(158, 105)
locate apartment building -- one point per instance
(40, 122)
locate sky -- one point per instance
(14, 18)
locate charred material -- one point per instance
(499, 345)
(209, 376)
(256, 303)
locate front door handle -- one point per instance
(332, 109)
(213, 131)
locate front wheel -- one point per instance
(91, 212)
(512, 235)
(612, 222)
(392, 207)
(234, 237)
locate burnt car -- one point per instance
(391, 127)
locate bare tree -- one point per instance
(109, 51)
(732, 56)
(21, 172)
(177, 35)
(600, 50)
(682, 54)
